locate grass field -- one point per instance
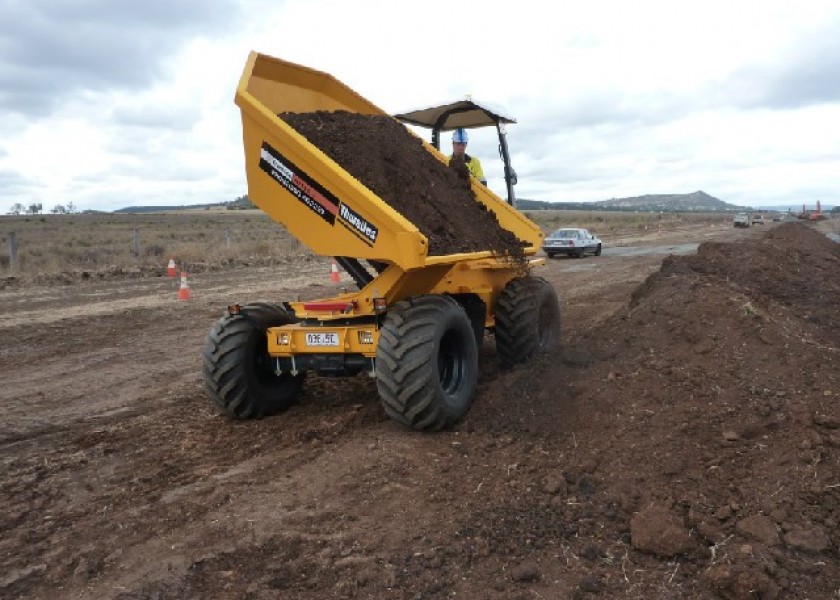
(615, 223)
(47, 245)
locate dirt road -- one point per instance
(625, 467)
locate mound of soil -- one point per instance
(385, 157)
(705, 428)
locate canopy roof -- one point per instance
(467, 113)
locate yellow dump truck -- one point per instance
(417, 320)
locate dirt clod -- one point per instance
(658, 530)
(525, 572)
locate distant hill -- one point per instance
(698, 201)
(695, 201)
(240, 203)
(155, 209)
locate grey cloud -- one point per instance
(13, 188)
(611, 109)
(804, 75)
(52, 48)
(809, 74)
(171, 118)
(180, 173)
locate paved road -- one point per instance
(570, 264)
(648, 250)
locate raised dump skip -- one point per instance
(329, 209)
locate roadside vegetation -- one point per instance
(96, 245)
(617, 223)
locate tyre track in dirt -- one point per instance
(104, 345)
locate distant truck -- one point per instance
(741, 220)
(757, 219)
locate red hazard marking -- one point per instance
(314, 194)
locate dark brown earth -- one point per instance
(383, 155)
(685, 444)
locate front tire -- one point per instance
(237, 370)
(426, 362)
(598, 250)
(527, 320)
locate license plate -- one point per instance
(322, 339)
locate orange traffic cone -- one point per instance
(184, 290)
(334, 276)
(170, 269)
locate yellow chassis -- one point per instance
(483, 278)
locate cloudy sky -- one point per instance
(114, 103)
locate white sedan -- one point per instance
(572, 242)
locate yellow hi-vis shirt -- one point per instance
(474, 167)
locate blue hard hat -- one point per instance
(460, 136)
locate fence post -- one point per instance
(13, 256)
(227, 235)
(136, 246)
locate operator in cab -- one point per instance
(459, 152)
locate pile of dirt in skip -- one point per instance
(697, 431)
(385, 157)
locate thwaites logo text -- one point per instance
(358, 224)
(314, 196)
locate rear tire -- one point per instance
(237, 370)
(527, 320)
(426, 362)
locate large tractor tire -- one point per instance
(238, 372)
(427, 362)
(527, 320)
